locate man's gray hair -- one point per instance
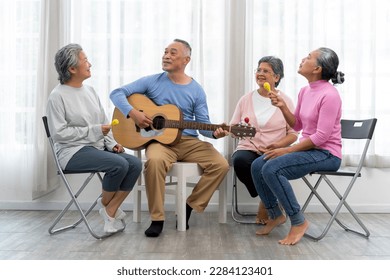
(185, 43)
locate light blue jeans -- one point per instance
(271, 179)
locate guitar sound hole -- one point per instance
(158, 123)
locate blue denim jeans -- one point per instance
(121, 170)
(271, 179)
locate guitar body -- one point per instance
(128, 134)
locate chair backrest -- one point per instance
(44, 119)
(51, 142)
(359, 129)
(47, 130)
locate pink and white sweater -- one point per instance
(274, 127)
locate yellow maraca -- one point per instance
(267, 86)
(114, 122)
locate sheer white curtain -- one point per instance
(359, 33)
(20, 45)
(53, 32)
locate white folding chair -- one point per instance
(355, 130)
(74, 195)
(181, 171)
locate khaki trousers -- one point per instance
(190, 149)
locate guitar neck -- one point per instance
(194, 125)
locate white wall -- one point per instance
(370, 194)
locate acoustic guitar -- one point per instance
(167, 125)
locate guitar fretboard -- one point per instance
(193, 125)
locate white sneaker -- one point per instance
(99, 203)
(119, 214)
(109, 223)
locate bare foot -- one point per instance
(295, 234)
(262, 215)
(271, 224)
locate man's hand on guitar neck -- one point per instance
(140, 118)
(220, 132)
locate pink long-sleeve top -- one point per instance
(274, 129)
(318, 114)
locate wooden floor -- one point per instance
(24, 236)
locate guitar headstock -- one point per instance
(242, 130)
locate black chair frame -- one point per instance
(237, 215)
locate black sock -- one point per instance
(155, 229)
(188, 212)
(188, 215)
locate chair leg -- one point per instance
(80, 210)
(137, 204)
(334, 213)
(181, 200)
(237, 216)
(344, 202)
(222, 197)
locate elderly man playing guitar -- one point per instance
(171, 89)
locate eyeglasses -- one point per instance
(265, 71)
